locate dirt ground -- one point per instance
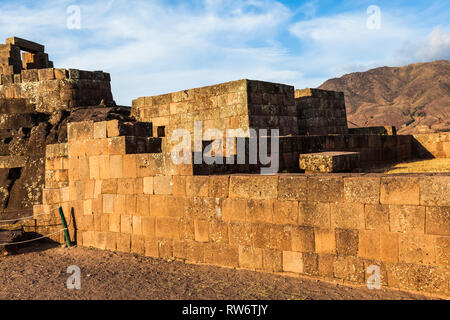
(39, 272)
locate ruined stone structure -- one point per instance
(35, 99)
(121, 190)
(124, 195)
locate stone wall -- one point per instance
(119, 196)
(239, 104)
(35, 101)
(432, 145)
(321, 112)
(50, 90)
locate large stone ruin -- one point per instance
(65, 143)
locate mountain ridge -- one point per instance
(415, 98)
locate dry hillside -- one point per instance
(414, 98)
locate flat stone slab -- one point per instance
(26, 45)
(334, 161)
(9, 162)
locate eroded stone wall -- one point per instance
(321, 112)
(50, 90)
(121, 197)
(239, 104)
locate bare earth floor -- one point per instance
(39, 272)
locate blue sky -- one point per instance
(154, 47)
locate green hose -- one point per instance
(64, 224)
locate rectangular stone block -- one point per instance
(61, 74)
(108, 203)
(438, 221)
(292, 262)
(111, 242)
(117, 145)
(94, 168)
(126, 224)
(30, 75)
(272, 260)
(240, 233)
(303, 239)
(114, 223)
(369, 244)
(165, 248)
(148, 183)
(148, 226)
(179, 185)
(105, 171)
(225, 255)
(347, 215)
(325, 265)
(167, 228)
(137, 244)
(163, 185)
(194, 251)
(407, 219)
(417, 249)
(151, 248)
(123, 242)
(325, 241)
(80, 131)
(434, 190)
(218, 231)
(143, 205)
(261, 235)
(347, 242)
(331, 161)
(314, 214)
(259, 211)
(201, 228)
(219, 186)
(162, 205)
(349, 268)
(197, 186)
(250, 258)
(325, 189)
(443, 251)
(285, 212)
(280, 237)
(377, 217)
(234, 209)
(46, 74)
(399, 190)
(389, 247)
(292, 188)
(116, 166)
(137, 225)
(129, 166)
(254, 187)
(100, 240)
(362, 189)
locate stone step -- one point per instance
(335, 161)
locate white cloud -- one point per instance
(435, 46)
(342, 43)
(150, 47)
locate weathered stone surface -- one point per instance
(329, 161)
(399, 190)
